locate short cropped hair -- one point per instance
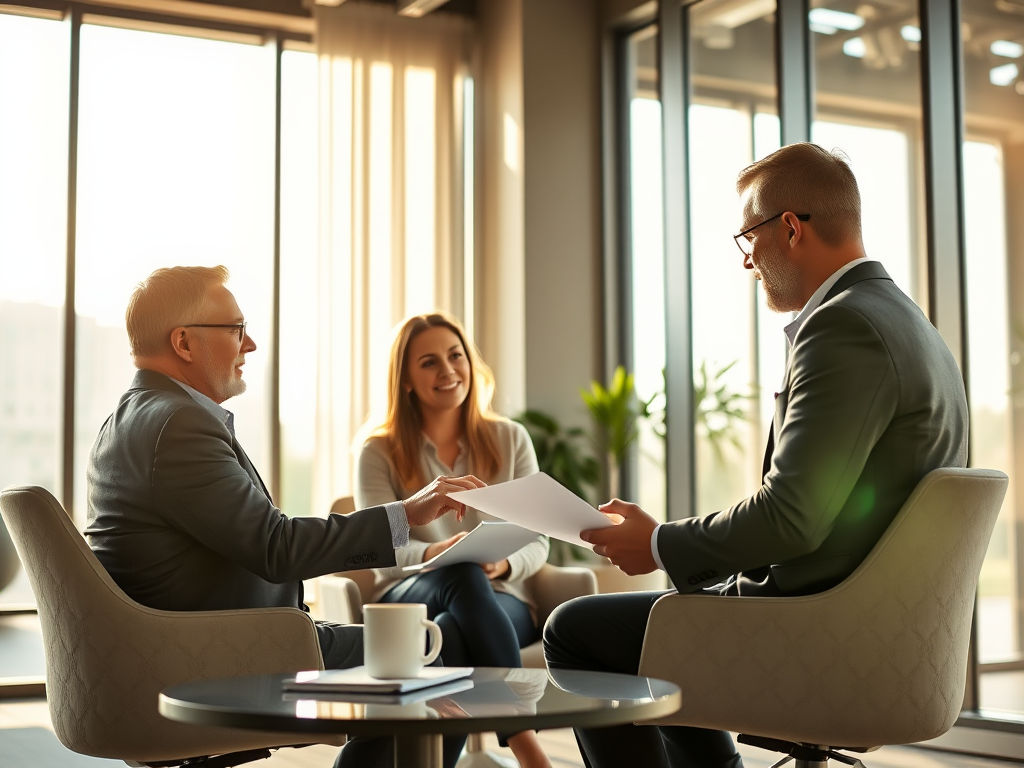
(168, 298)
(804, 178)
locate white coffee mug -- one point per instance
(393, 639)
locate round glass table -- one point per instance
(491, 699)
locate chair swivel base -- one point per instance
(227, 760)
(803, 755)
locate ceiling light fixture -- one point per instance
(1003, 75)
(837, 19)
(910, 33)
(1006, 48)
(855, 47)
(417, 8)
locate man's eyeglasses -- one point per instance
(239, 327)
(746, 244)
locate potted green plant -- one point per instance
(614, 410)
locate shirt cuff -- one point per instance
(654, 547)
(399, 524)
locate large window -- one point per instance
(175, 165)
(868, 105)
(738, 347)
(33, 204)
(993, 58)
(647, 262)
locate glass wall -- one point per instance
(994, 272)
(176, 167)
(738, 346)
(647, 263)
(33, 235)
(299, 252)
(867, 75)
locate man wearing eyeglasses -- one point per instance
(179, 516)
(871, 401)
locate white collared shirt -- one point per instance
(816, 298)
(397, 519)
(791, 331)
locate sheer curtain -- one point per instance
(392, 219)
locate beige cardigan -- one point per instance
(377, 483)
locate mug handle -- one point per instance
(435, 641)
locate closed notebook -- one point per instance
(358, 680)
(430, 693)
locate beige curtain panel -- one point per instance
(392, 148)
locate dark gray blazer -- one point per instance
(871, 402)
(181, 520)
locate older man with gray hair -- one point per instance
(178, 514)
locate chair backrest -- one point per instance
(107, 657)
(343, 505)
(364, 579)
(879, 659)
(913, 596)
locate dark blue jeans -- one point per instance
(481, 627)
(605, 633)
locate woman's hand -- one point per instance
(438, 547)
(496, 570)
(432, 501)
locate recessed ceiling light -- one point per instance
(855, 47)
(1007, 48)
(1003, 75)
(837, 19)
(910, 33)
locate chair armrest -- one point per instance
(209, 644)
(553, 585)
(340, 600)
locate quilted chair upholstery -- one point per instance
(107, 657)
(879, 659)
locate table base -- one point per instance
(423, 751)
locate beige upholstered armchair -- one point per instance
(107, 657)
(879, 659)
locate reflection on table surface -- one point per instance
(488, 693)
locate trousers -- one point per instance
(605, 633)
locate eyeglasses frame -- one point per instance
(748, 230)
(240, 327)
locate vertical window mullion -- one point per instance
(74, 22)
(793, 69)
(277, 46)
(674, 79)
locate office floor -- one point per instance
(27, 741)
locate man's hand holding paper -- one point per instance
(628, 543)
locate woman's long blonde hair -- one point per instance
(403, 427)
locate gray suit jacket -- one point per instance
(181, 520)
(871, 402)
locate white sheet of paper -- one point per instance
(490, 542)
(539, 503)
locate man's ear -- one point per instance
(180, 344)
(795, 227)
